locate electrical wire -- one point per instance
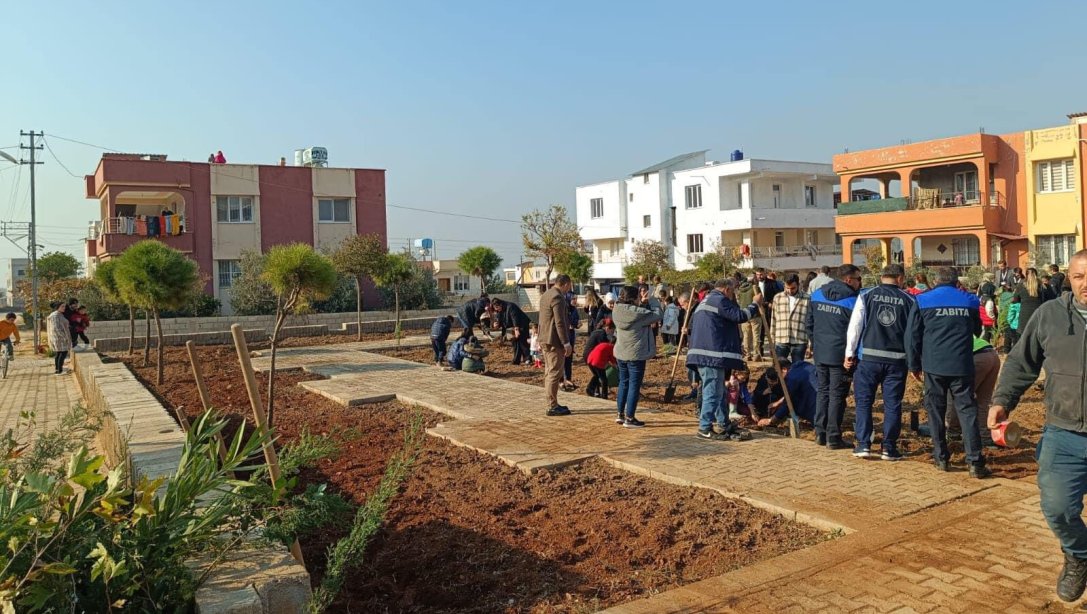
(57, 160)
(57, 136)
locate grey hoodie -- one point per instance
(634, 339)
(1054, 339)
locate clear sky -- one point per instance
(496, 108)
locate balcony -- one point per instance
(925, 211)
(111, 236)
(609, 267)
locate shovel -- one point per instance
(794, 422)
(670, 391)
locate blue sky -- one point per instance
(496, 108)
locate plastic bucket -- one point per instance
(1007, 434)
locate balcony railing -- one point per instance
(922, 200)
(123, 226)
(612, 259)
(792, 251)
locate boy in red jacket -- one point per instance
(599, 359)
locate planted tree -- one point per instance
(360, 257)
(480, 261)
(647, 258)
(577, 265)
(250, 295)
(550, 234)
(397, 272)
(105, 277)
(154, 277)
(296, 275)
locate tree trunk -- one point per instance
(131, 330)
(281, 316)
(161, 349)
(396, 298)
(147, 339)
(358, 305)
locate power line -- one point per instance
(57, 160)
(56, 136)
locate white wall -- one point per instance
(613, 223)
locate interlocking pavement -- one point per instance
(32, 386)
(915, 539)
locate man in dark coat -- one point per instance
(511, 316)
(470, 313)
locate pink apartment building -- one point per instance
(215, 212)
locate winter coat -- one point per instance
(440, 329)
(828, 320)
(745, 293)
(59, 332)
(715, 332)
(940, 332)
(634, 339)
(670, 321)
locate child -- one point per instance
(456, 355)
(534, 346)
(670, 322)
(83, 323)
(473, 359)
(599, 358)
(738, 396)
(988, 314)
(769, 396)
(1011, 333)
(439, 334)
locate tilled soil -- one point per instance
(471, 534)
(1009, 463)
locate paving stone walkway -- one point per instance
(31, 385)
(915, 539)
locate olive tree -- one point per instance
(549, 234)
(360, 257)
(153, 276)
(297, 275)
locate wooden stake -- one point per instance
(793, 421)
(182, 419)
(205, 397)
(259, 417)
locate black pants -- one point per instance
(830, 401)
(1010, 337)
(961, 388)
(599, 382)
(83, 336)
(439, 348)
(58, 360)
(520, 347)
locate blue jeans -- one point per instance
(892, 378)
(793, 351)
(1062, 480)
(439, 348)
(631, 373)
(713, 390)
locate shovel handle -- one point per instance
(679, 344)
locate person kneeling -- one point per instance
(801, 379)
(473, 359)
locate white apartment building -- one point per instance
(775, 214)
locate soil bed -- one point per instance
(471, 534)
(1007, 463)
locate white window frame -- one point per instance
(596, 208)
(775, 190)
(1053, 173)
(810, 196)
(647, 221)
(695, 244)
(461, 283)
(692, 195)
(1058, 249)
(234, 209)
(332, 210)
(234, 271)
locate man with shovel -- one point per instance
(1055, 339)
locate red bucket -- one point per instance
(1007, 434)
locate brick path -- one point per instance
(31, 385)
(917, 540)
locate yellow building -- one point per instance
(1053, 197)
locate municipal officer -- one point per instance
(940, 339)
(827, 322)
(876, 345)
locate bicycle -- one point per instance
(5, 358)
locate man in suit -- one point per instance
(554, 339)
(1004, 275)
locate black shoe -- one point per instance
(980, 471)
(633, 423)
(559, 410)
(836, 444)
(619, 419)
(710, 434)
(942, 465)
(820, 439)
(891, 454)
(1073, 578)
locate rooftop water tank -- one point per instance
(736, 155)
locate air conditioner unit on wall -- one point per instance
(693, 258)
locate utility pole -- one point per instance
(33, 162)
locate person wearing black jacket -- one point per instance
(511, 316)
(1056, 281)
(768, 288)
(1030, 294)
(940, 340)
(827, 323)
(470, 313)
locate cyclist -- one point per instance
(7, 329)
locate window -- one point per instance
(1056, 176)
(740, 194)
(965, 251)
(694, 196)
(645, 178)
(511, 276)
(632, 197)
(234, 209)
(694, 244)
(779, 239)
(777, 195)
(229, 270)
(809, 196)
(334, 210)
(596, 207)
(647, 221)
(966, 183)
(460, 283)
(1056, 249)
(20, 273)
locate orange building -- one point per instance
(952, 201)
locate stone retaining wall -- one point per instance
(138, 431)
